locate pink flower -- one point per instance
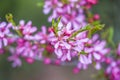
(16, 61)
(28, 49)
(26, 30)
(14, 58)
(113, 70)
(52, 5)
(71, 12)
(66, 49)
(97, 49)
(62, 47)
(42, 36)
(4, 33)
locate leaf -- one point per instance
(95, 29)
(108, 36)
(86, 28)
(55, 25)
(111, 32)
(9, 18)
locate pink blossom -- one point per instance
(16, 61)
(97, 49)
(113, 70)
(4, 33)
(42, 35)
(27, 49)
(14, 58)
(26, 30)
(71, 12)
(62, 47)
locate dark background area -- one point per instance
(109, 11)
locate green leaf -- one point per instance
(86, 28)
(108, 36)
(55, 25)
(9, 18)
(95, 28)
(65, 1)
(111, 32)
(40, 4)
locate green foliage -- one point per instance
(95, 27)
(55, 25)
(40, 4)
(108, 36)
(65, 1)
(9, 18)
(91, 28)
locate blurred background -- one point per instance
(109, 11)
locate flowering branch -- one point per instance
(72, 39)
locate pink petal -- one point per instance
(22, 22)
(47, 10)
(83, 59)
(68, 55)
(5, 42)
(44, 29)
(33, 29)
(67, 45)
(29, 23)
(2, 25)
(97, 56)
(98, 66)
(58, 52)
(57, 45)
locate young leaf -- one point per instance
(94, 29)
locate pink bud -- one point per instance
(108, 61)
(92, 1)
(57, 62)
(51, 29)
(47, 61)
(88, 6)
(29, 60)
(76, 70)
(96, 17)
(49, 48)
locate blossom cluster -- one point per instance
(65, 42)
(68, 40)
(72, 11)
(113, 68)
